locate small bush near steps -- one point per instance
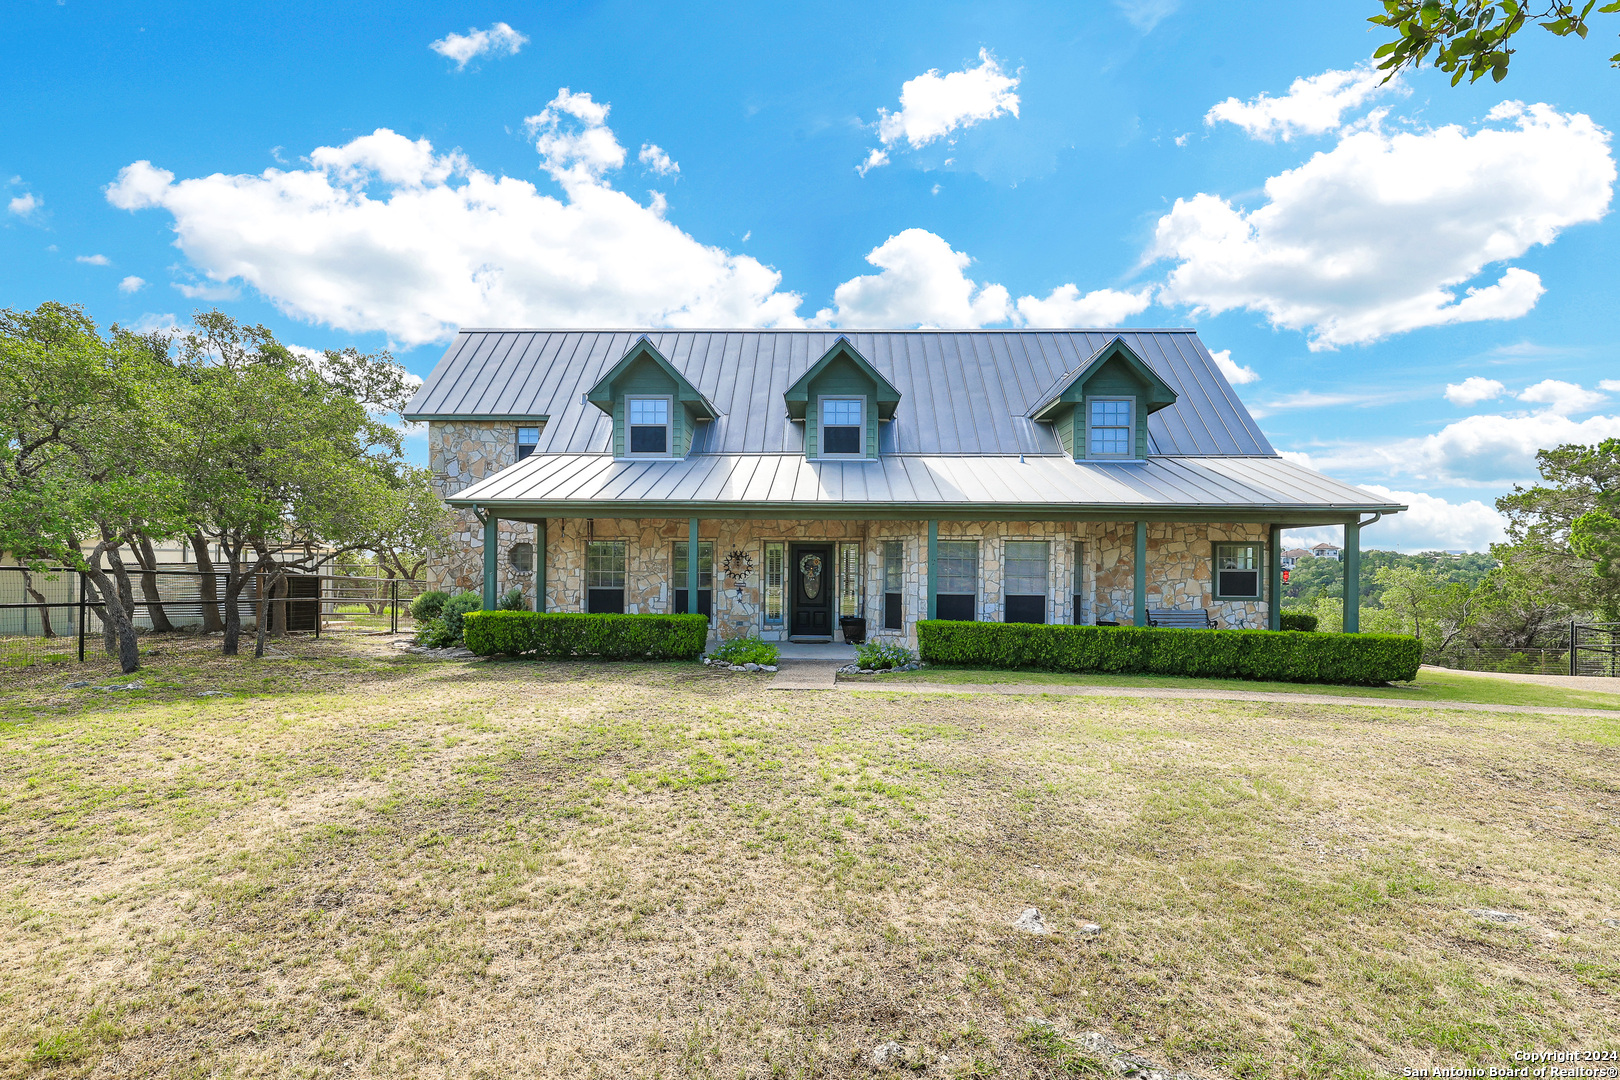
(746, 650)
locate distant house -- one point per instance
(1326, 551)
(1290, 558)
(781, 480)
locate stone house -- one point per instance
(1077, 476)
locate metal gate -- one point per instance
(1594, 649)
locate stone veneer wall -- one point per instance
(1179, 558)
(461, 453)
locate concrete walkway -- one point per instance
(805, 674)
(1597, 683)
(882, 686)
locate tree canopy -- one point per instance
(1470, 37)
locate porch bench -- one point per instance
(1182, 620)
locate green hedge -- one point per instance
(1296, 620)
(1270, 655)
(606, 637)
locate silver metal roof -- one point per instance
(963, 391)
(1215, 488)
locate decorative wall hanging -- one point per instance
(810, 575)
(739, 564)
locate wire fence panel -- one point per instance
(1511, 661)
(56, 615)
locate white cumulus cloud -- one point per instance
(1430, 523)
(1313, 105)
(93, 260)
(657, 161)
(1066, 306)
(934, 105)
(131, 284)
(386, 234)
(24, 205)
(1476, 451)
(1611, 385)
(1563, 398)
(1146, 14)
(499, 40)
(1375, 236)
(1236, 374)
(1473, 390)
(923, 281)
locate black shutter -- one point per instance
(893, 616)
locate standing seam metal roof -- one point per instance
(963, 392)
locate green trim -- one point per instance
(884, 396)
(933, 568)
(445, 418)
(1260, 564)
(540, 566)
(1073, 390)
(694, 556)
(491, 540)
(1139, 576)
(1274, 578)
(604, 396)
(1351, 554)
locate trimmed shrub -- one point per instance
(880, 655)
(514, 600)
(1270, 655)
(1297, 620)
(747, 650)
(426, 608)
(456, 609)
(606, 637)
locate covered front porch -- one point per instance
(795, 578)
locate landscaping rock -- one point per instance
(136, 685)
(767, 667)
(1090, 928)
(1031, 922)
(750, 666)
(78, 685)
(1494, 916)
(738, 667)
(889, 1053)
(1615, 923)
(1123, 1063)
(215, 693)
(866, 671)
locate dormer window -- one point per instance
(1110, 428)
(649, 422)
(527, 439)
(843, 427)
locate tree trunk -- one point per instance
(115, 616)
(120, 575)
(141, 546)
(39, 598)
(275, 582)
(207, 584)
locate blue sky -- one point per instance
(1411, 277)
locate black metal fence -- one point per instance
(55, 616)
(1582, 649)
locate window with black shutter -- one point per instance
(894, 583)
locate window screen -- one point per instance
(527, 438)
(649, 425)
(894, 584)
(1237, 571)
(705, 577)
(841, 426)
(1110, 428)
(1026, 580)
(957, 587)
(604, 577)
(775, 574)
(849, 581)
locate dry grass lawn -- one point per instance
(365, 864)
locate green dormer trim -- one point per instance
(841, 376)
(1113, 373)
(644, 372)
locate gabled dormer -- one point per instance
(1100, 410)
(655, 410)
(841, 399)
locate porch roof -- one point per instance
(1246, 488)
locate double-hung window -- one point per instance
(604, 577)
(1110, 428)
(894, 584)
(649, 421)
(1237, 571)
(527, 439)
(957, 593)
(843, 427)
(1026, 580)
(774, 609)
(683, 601)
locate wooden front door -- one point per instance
(812, 590)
